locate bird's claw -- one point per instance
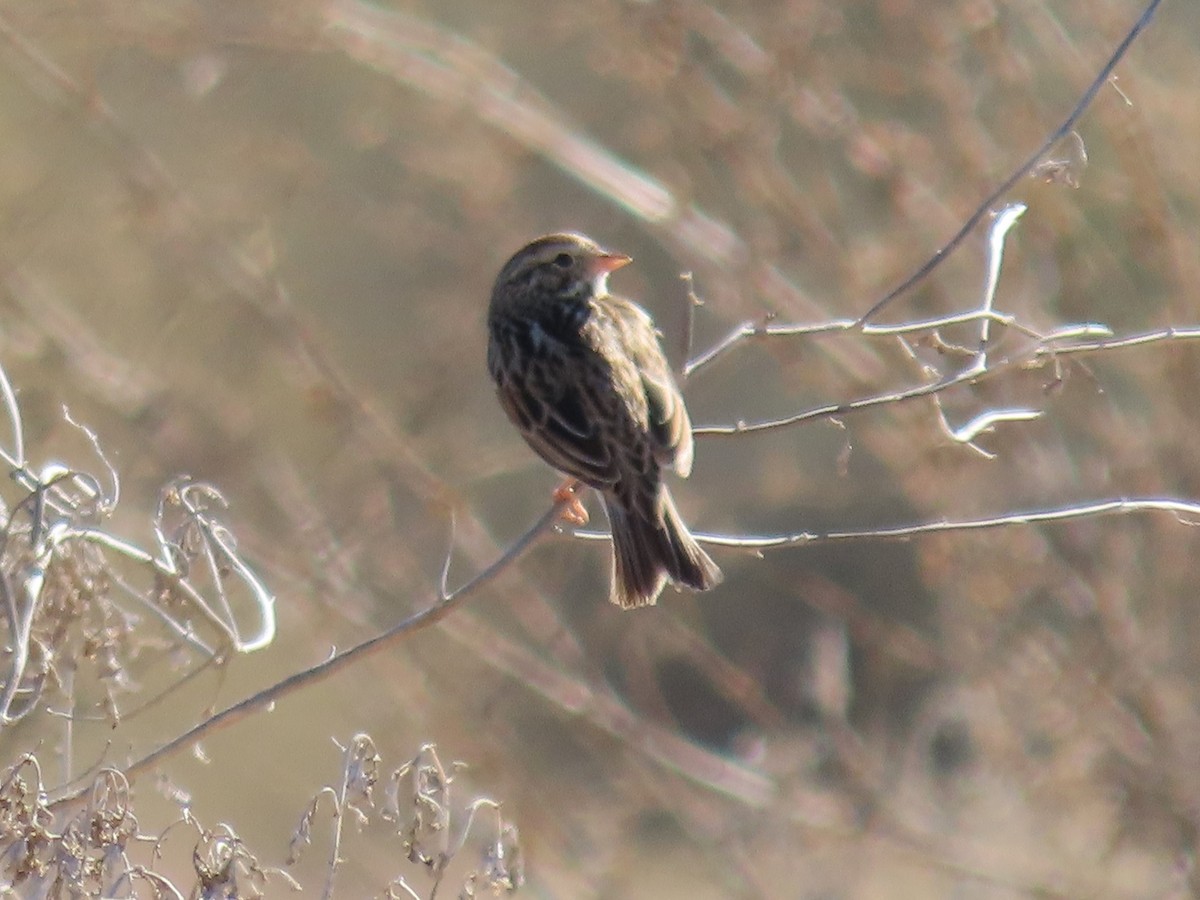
(574, 511)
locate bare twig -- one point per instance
(430, 615)
(1024, 169)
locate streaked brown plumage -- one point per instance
(582, 376)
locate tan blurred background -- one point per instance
(253, 241)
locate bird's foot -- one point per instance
(574, 511)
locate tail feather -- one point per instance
(649, 552)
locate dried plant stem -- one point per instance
(430, 615)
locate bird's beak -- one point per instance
(610, 262)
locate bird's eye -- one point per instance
(563, 260)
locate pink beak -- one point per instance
(610, 262)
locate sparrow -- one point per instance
(582, 375)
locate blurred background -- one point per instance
(253, 241)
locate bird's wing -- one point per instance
(549, 400)
(670, 427)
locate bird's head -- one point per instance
(556, 267)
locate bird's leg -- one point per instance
(568, 493)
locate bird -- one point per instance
(582, 375)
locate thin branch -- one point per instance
(1065, 128)
(403, 629)
(1004, 221)
(836, 410)
(1185, 511)
(1141, 339)
(1050, 347)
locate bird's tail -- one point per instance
(649, 552)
